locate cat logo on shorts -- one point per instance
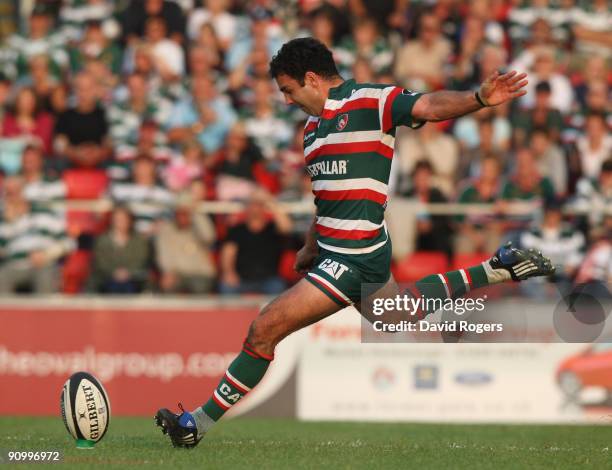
(333, 268)
(342, 121)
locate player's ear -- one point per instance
(311, 79)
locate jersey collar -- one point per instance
(343, 90)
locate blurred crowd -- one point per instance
(162, 105)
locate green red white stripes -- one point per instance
(348, 151)
(363, 98)
(342, 143)
(347, 229)
(352, 251)
(467, 279)
(351, 188)
(330, 289)
(456, 283)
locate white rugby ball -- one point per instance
(85, 407)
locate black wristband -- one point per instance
(479, 99)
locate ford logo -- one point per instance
(473, 378)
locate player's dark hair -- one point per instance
(302, 55)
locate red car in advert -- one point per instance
(590, 368)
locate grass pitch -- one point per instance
(285, 444)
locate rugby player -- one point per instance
(348, 147)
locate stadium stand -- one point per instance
(92, 92)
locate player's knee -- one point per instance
(261, 337)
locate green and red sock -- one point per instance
(243, 374)
(453, 284)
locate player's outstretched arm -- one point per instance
(447, 104)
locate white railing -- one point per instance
(307, 207)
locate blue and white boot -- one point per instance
(512, 263)
(181, 429)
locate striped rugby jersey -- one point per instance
(38, 230)
(348, 152)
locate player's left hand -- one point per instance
(499, 88)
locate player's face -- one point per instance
(309, 97)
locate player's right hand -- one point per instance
(305, 259)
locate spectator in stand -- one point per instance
(592, 27)
(434, 146)
(523, 18)
(142, 62)
(545, 68)
(594, 197)
(76, 16)
(41, 80)
(540, 36)
(595, 146)
(264, 125)
(137, 14)
(40, 39)
(472, 49)
(148, 201)
(550, 159)
(8, 19)
(205, 115)
(81, 132)
(291, 161)
(95, 45)
(542, 115)
(152, 142)
(299, 191)
(559, 241)
(215, 13)
(420, 62)
(597, 100)
(5, 91)
(121, 257)
(184, 168)
(323, 23)
(472, 68)
(168, 55)
(28, 121)
(126, 116)
(208, 40)
(594, 71)
(480, 233)
(39, 187)
(432, 230)
(526, 184)
(483, 11)
(235, 165)
(266, 35)
(480, 136)
(241, 79)
(362, 71)
(252, 250)
(58, 101)
(32, 240)
(367, 43)
(597, 265)
(203, 63)
(183, 250)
